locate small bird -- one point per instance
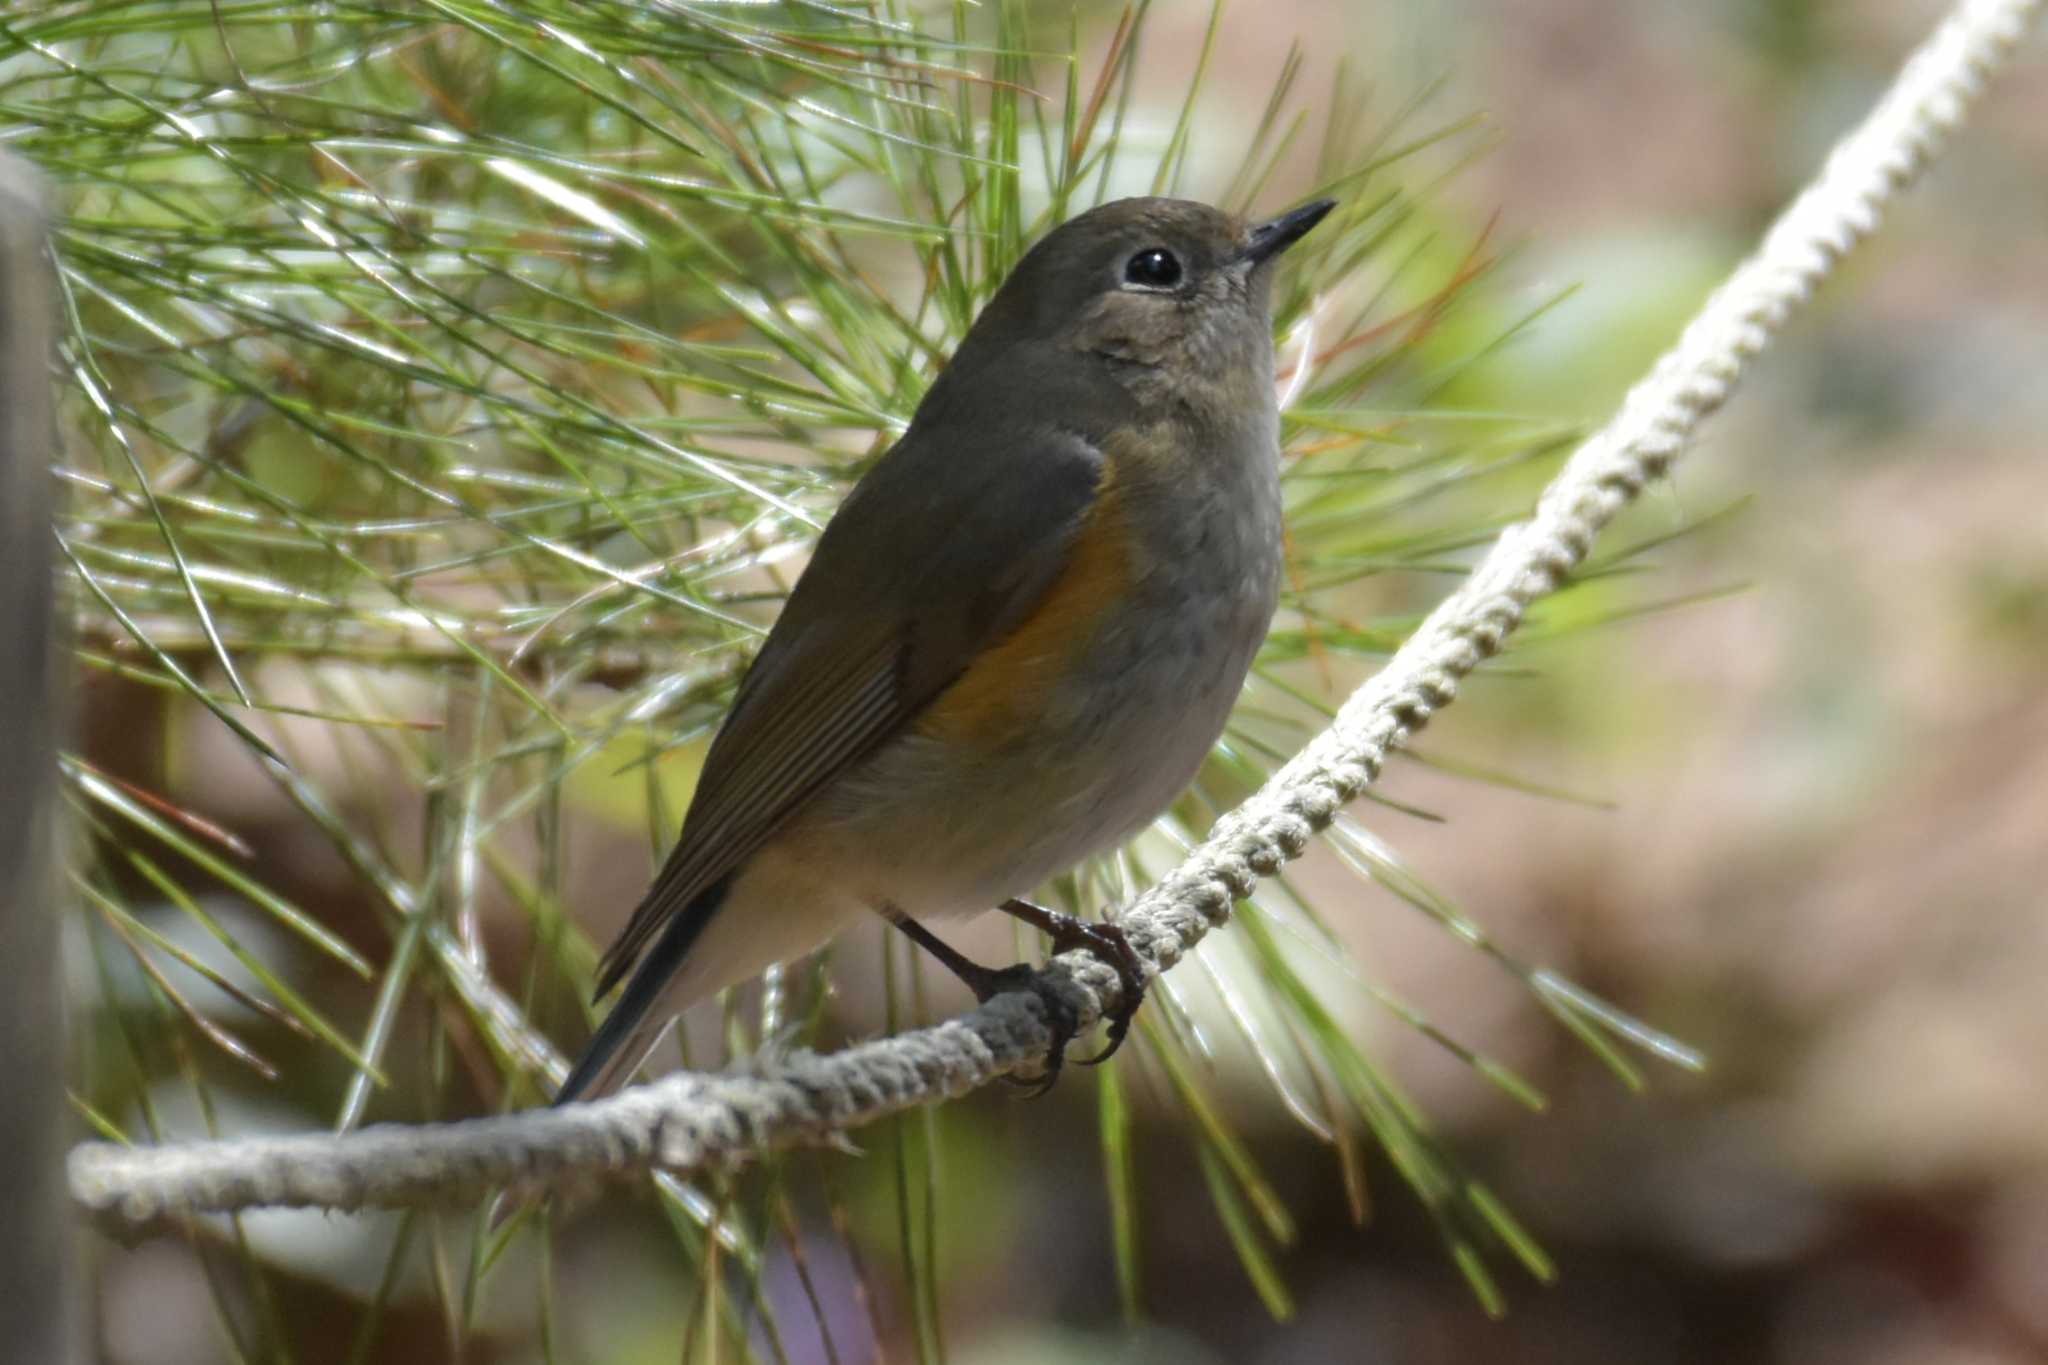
(1016, 640)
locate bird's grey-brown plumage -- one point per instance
(1085, 421)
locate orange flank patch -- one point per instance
(1001, 693)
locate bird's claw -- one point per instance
(1109, 944)
(1060, 1018)
(1112, 947)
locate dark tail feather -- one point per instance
(626, 1034)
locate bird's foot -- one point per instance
(1107, 942)
(1060, 1018)
(1110, 946)
(989, 982)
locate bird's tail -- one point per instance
(637, 1022)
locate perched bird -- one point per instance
(1016, 640)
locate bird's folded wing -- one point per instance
(938, 555)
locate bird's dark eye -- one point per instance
(1153, 268)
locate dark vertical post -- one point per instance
(35, 1244)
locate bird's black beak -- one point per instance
(1269, 239)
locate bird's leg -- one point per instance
(1109, 945)
(989, 982)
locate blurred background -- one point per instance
(1826, 862)
(1782, 799)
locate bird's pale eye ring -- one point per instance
(1153, 268)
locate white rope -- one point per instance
(692, 1121)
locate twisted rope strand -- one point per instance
(691, 1121)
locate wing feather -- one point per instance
(935, 556)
